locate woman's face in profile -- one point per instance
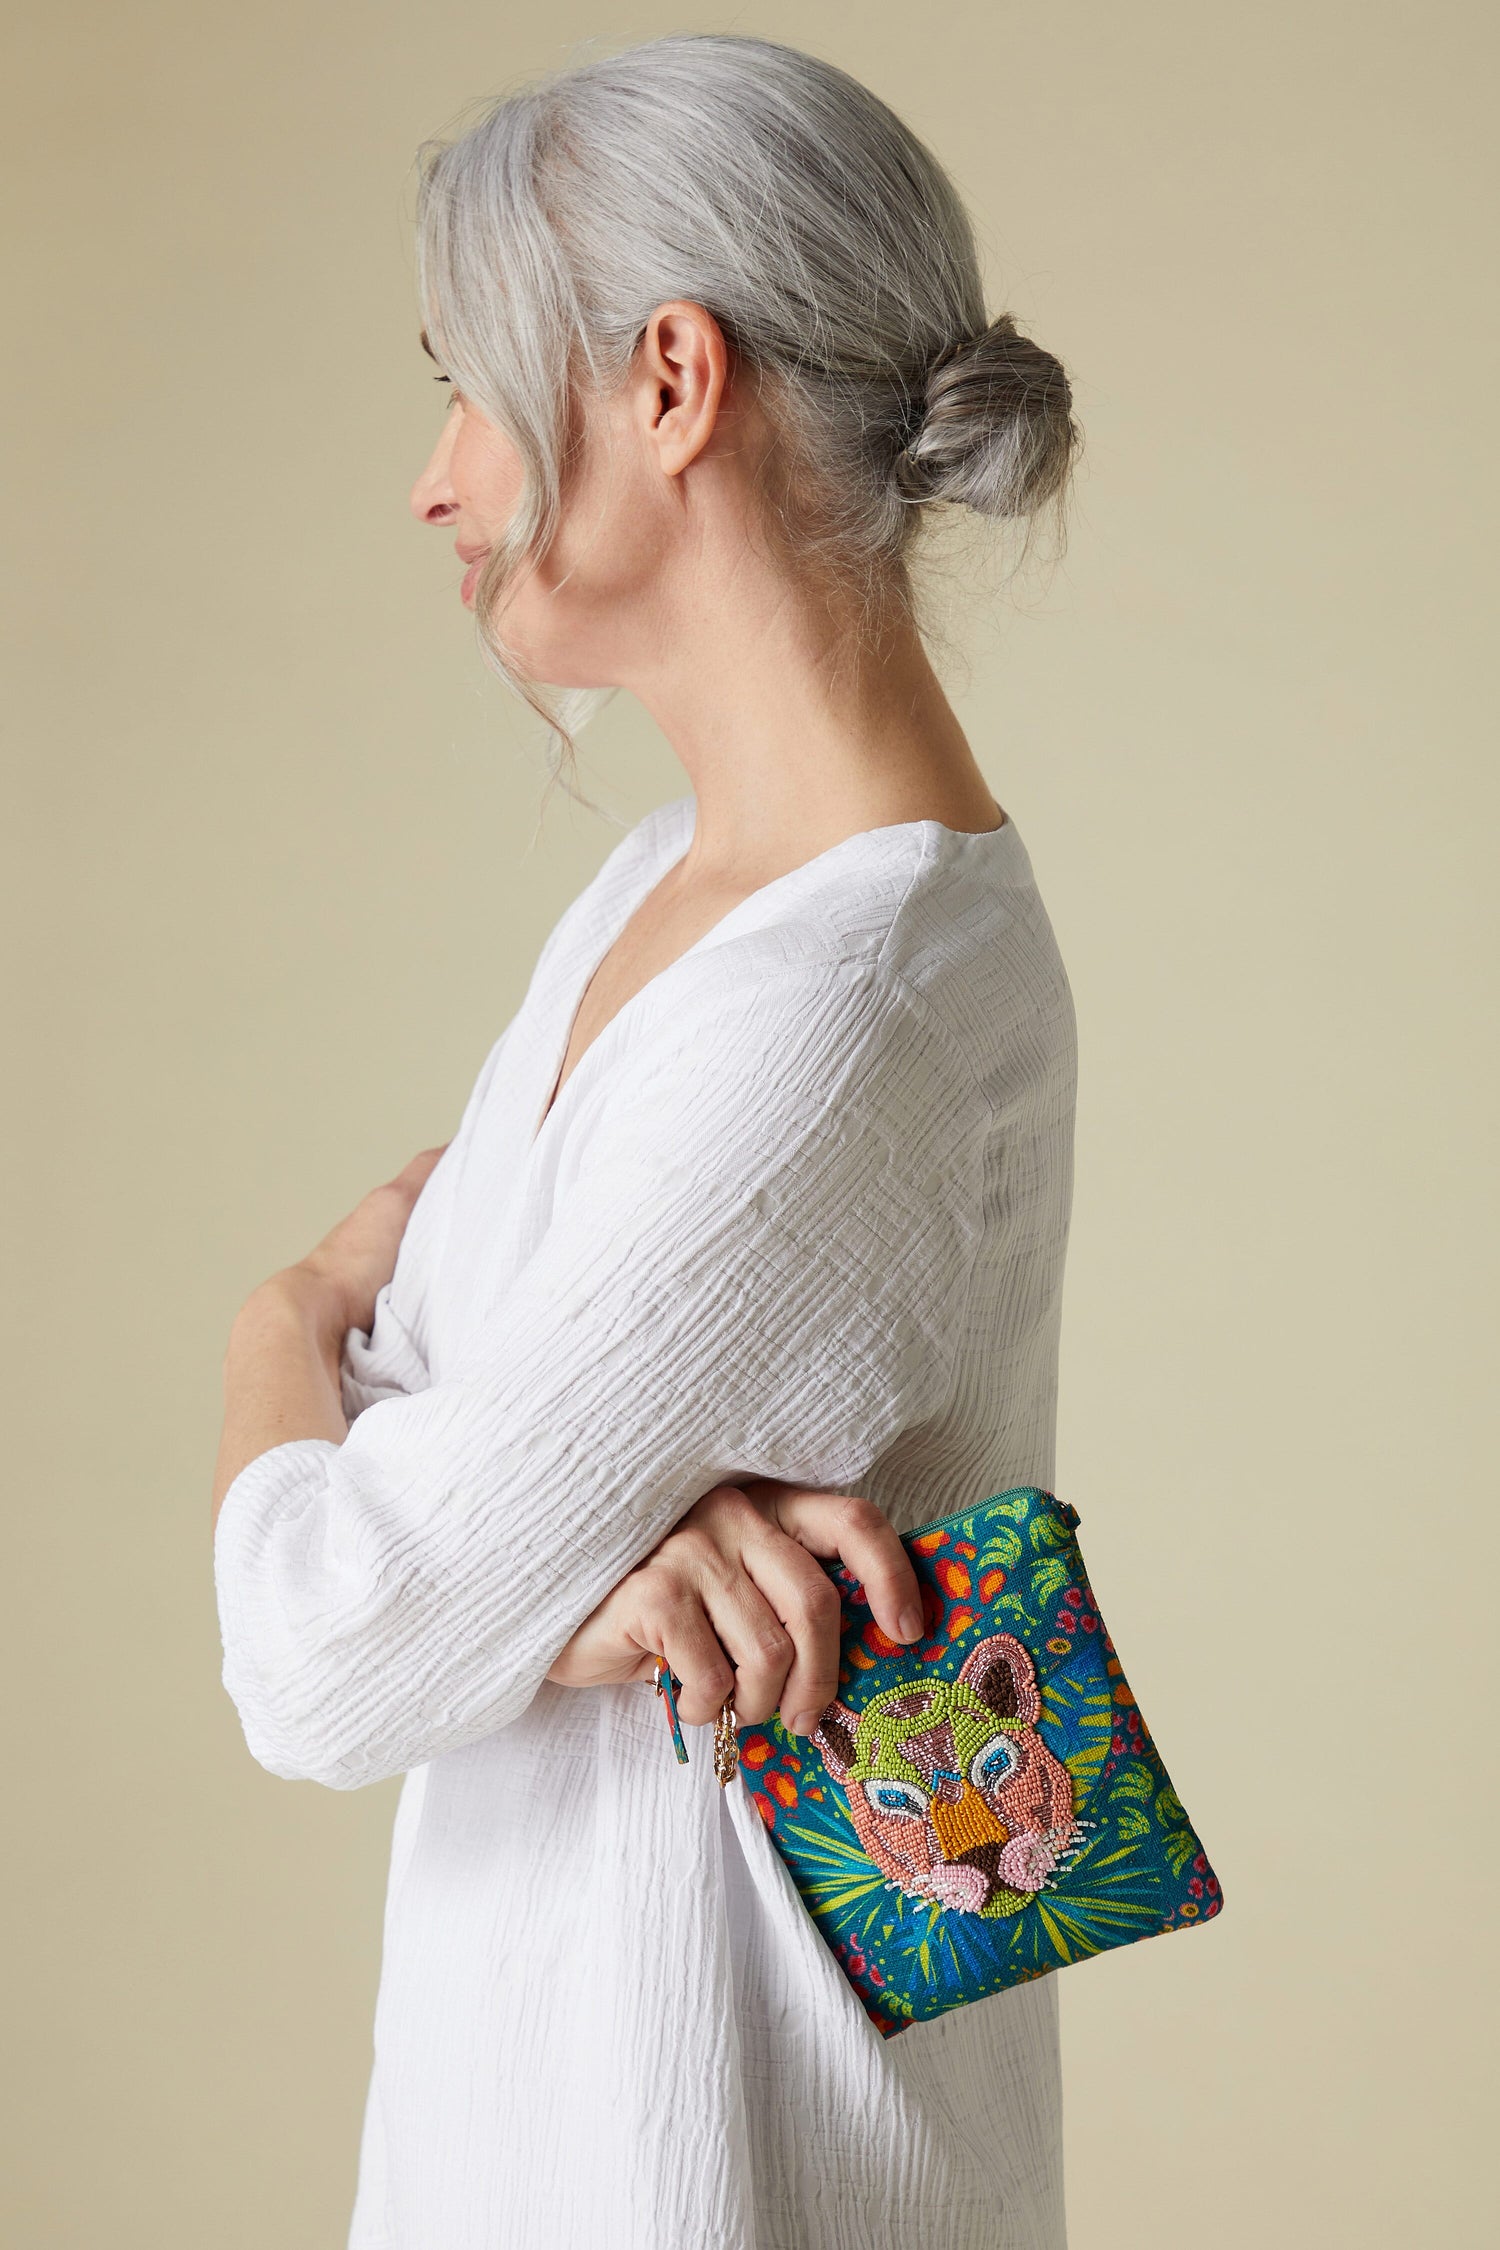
(577, 619)
(470, 485)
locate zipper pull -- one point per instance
(664, 1685)
(726, 1743)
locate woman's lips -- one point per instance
(471, 580)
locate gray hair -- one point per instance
(827, 241)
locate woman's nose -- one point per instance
(432, 499)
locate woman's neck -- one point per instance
(792, 738)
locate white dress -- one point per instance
(800, 1211)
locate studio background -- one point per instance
(273, 893)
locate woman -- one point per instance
(748, 1248)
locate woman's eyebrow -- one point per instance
(427, 348)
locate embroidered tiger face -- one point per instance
(953, 1793)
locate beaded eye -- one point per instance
(995, 1763)
(897, 1797)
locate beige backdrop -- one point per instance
(275, 895)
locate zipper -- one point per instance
(961, 1515)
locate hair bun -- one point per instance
(997, 433)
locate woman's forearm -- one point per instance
(281, 1372)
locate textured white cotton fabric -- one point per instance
(800, 1211)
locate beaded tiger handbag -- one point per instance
(986, 1805)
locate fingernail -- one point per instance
(805, 1722)
(911, 1624)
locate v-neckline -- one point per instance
(636, 896)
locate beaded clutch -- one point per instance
(983, 1806)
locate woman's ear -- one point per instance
(683, 368)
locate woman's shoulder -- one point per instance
(953, 920)
(911, 952)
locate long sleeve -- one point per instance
(756, 1264)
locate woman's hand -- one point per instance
(733, 1599)
(355, 1259)
(281, 1368)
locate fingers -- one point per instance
(690, 1645)
(758, 1644)
(774, 1612)
(828, 1523)
(806, 1600)
(703, 1607)
(412, 1176)
(745, 1629)
(736, 1603)
(358, 1255)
